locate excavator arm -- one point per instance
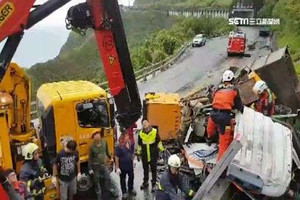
(101, 15)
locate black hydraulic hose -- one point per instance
(43, 11)
(13, 41)
(8, 52)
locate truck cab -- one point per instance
(73, 109)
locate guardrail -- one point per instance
(142, 73)
(162, 65)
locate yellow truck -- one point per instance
(74, 109)
(163, 111)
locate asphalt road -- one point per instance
(203, 64)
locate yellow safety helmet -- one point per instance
(28, 150)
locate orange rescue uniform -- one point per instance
(266, 103)
(225, 99)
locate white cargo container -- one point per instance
(264, 163)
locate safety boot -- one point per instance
(153, 188)
(144, 185)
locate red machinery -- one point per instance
(101, 15)
(236, 43)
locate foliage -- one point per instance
(182, 4)
(289, 30)
(166, 42)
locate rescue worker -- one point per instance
(19, 186)
(148, 145)
(172, 180)
(266, 103)
(225, 99)
(32, 171)
(97, 165)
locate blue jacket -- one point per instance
(170, 184)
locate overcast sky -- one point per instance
(43, 41)
(57, 18)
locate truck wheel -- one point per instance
(85, 183)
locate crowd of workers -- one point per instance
(66, 167)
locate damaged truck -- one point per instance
(263, 159)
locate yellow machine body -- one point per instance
(16, 129)
(163, 111)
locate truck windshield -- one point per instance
(92, 115)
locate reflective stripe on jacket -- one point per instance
(170, 185)
(148, 144)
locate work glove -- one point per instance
(54, 180)
(78, 176)
(91, 172)
(118, 171)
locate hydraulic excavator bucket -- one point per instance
(278, 71)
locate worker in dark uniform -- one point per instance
(225, 99)
(32, 171)
(172, 180)
(148, 145)
(97, 165)
(266, 103)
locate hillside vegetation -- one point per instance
(289, 30)
(79, 57)
(151, 36)
(182, 4)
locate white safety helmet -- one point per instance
(259, 87)
(28, 150)
(174, 161)
(228, 75)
